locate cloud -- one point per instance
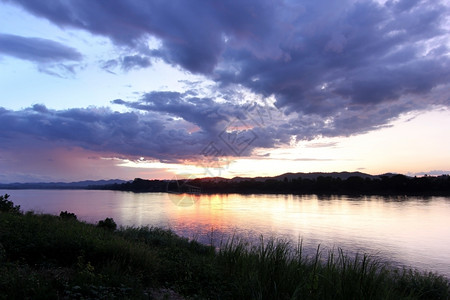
(322, 145)
(36, 49)
(359, 54)
(267, 126)
(130, 135)
(314, 57)
(167, 126)
(332, 68)
(127, 63)
(51, 57)
(430, 173)
(192, 33)
(135, 61)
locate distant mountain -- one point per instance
(60, 185)
(106, 183)
(109, 183)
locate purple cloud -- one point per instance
(313, 56)
(37, 49)
(334, 69)
(51, 57)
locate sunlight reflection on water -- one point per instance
(412, 231)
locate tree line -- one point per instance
(382, 185)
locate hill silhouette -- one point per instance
(59, 185)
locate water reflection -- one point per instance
(408, 230)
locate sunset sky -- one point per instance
(150, 89)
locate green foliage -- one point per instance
(8, 206)
(108, 224)
(46, 257)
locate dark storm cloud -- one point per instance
(353, 54)
(269, 125)
(127, 134)
(36, 49)
(165, 126)
(210, 119)
(192, 33)
(335, 68)
(314, 56)
(203, 112)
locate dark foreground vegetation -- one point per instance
(59, 257)
(360, 185)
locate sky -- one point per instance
(157, 89)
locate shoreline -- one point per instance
(319, 194)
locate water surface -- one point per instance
(411, 231)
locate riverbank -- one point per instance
(392, 185)
(45, 256)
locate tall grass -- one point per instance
(50, 257)
(275, 269)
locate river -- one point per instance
(406, 231)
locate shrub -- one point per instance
(108, 223)
(67, 215)
(8, 206)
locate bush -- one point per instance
(67, 215)
(108, 223)
(8, 206)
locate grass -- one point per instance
(51, 257)
(276, 270)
